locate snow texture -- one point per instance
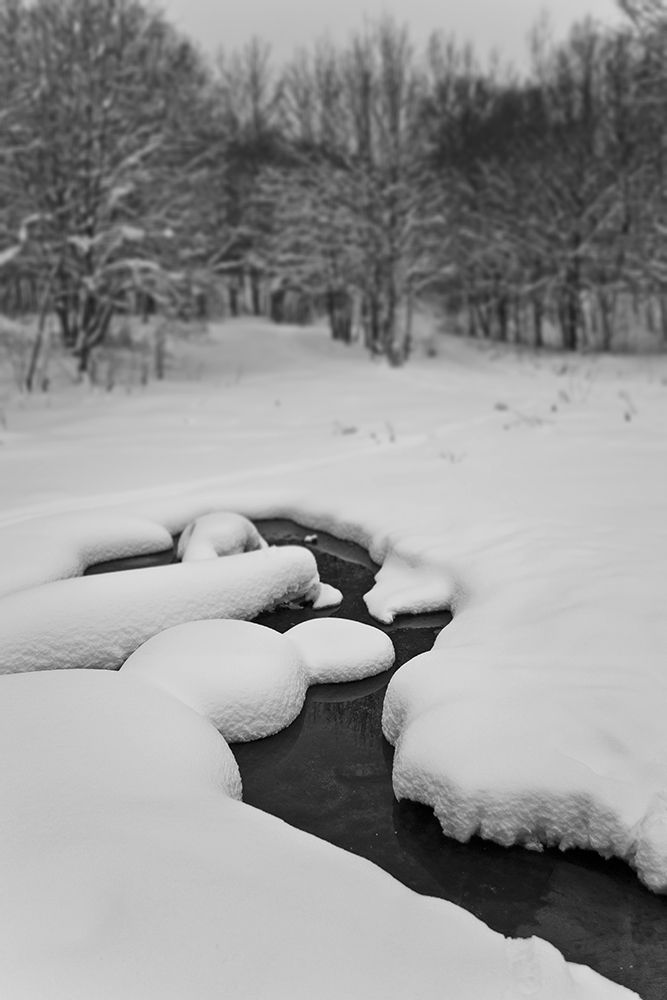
(338, 649)
(97, 621)
(463, 749)
(220, 534)
(527, 493)
(401, 588)
(328, 597)
(251, 681)
(129, 870)
(248, 680)
(52, 548)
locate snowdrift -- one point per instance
(129, 869)
(526, 494)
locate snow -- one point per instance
(248, 680)
(328, 597)
(130, 870)
(219, 534)
(65, 545)
(538, 716)
(251, 681)
(337, 649)
(527, 494)
(98, 621)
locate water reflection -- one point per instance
(361, 718)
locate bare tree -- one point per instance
(248, 92)
(352, 118)
(90, 89)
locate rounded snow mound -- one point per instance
(94, 734)
(249, 680)
(219, 534)
(497, 756)
(98, 621)
(339, 649)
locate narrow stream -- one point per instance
(329, 773)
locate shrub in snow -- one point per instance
(251, 681)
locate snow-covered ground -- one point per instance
(526, 493)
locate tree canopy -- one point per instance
(353, 181)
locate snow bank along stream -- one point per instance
(329, 773)
(132, 869)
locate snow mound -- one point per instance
(339, 649)
(409, 586)
(651, 844)
(328, 597)
(129, 870)
(248, 680)
(97, 621)
(497, 757)
(222, 533)
(110, 736)
(62, 546)
(219, 534)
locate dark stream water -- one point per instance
(329, 773)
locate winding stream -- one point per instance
(329, 773)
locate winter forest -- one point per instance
(355, 181)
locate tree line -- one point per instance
(356, 181)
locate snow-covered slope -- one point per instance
(129, 870)
(529, 495)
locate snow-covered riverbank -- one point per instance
(527, 494)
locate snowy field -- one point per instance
(527, 494)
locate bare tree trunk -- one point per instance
(340, 312)
(502, 313)
(372, 332)
(409, 315)
(471, 315)
(649, 314)
(277, 305)
(234, 298)
(663, 317)
(570, 310)
(160, 351)
(39, 337)
(538, 321)
(607, 305)
(83, 360)
(89, 337)
(255, 293)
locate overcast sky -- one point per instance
(500, 24)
